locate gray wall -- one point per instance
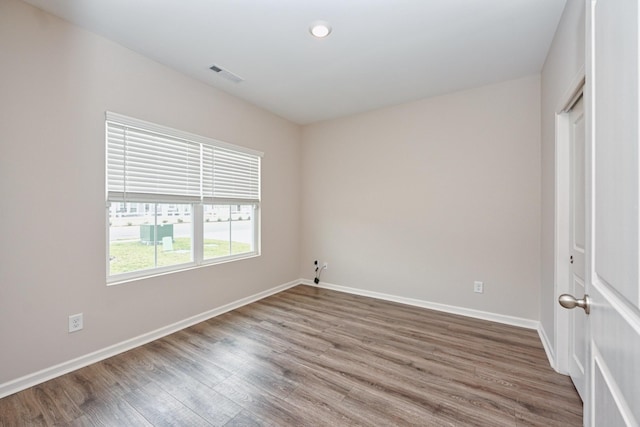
(421, 199)
(57, 82)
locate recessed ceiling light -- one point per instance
(320, 29)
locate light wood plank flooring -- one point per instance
(308, 357)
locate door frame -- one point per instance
(561, 221)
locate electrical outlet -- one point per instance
(478, 287)
(325, 265)
(75, 322)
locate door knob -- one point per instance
(569, 301)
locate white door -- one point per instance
(577, 210)
(612, 108)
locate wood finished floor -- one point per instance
(308, 357)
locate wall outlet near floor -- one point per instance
(75, 322)
(325, 265)
(478, 287)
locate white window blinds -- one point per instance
(235, 175)
(151, 162)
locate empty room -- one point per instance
(310, 213)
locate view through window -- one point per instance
(176, 200)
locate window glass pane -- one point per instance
(217, 231)
(241, 229)
(228, 230)
(148, 235)
(174, 245)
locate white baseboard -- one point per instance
(47, 374)
(548, 349)
(484, 315)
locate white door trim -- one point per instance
(561, 221)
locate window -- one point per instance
(177, 200)
(228, 230)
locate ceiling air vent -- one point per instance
(226, 74)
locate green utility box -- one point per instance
(148, 234)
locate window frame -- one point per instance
(196, 204)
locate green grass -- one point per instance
(134, 256)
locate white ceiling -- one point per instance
(380, 52)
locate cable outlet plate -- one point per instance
(478, 287)
(75, 322)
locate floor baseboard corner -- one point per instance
(30, 380)
(463, 311)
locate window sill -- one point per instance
(121, 279)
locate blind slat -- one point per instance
(144, 163)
